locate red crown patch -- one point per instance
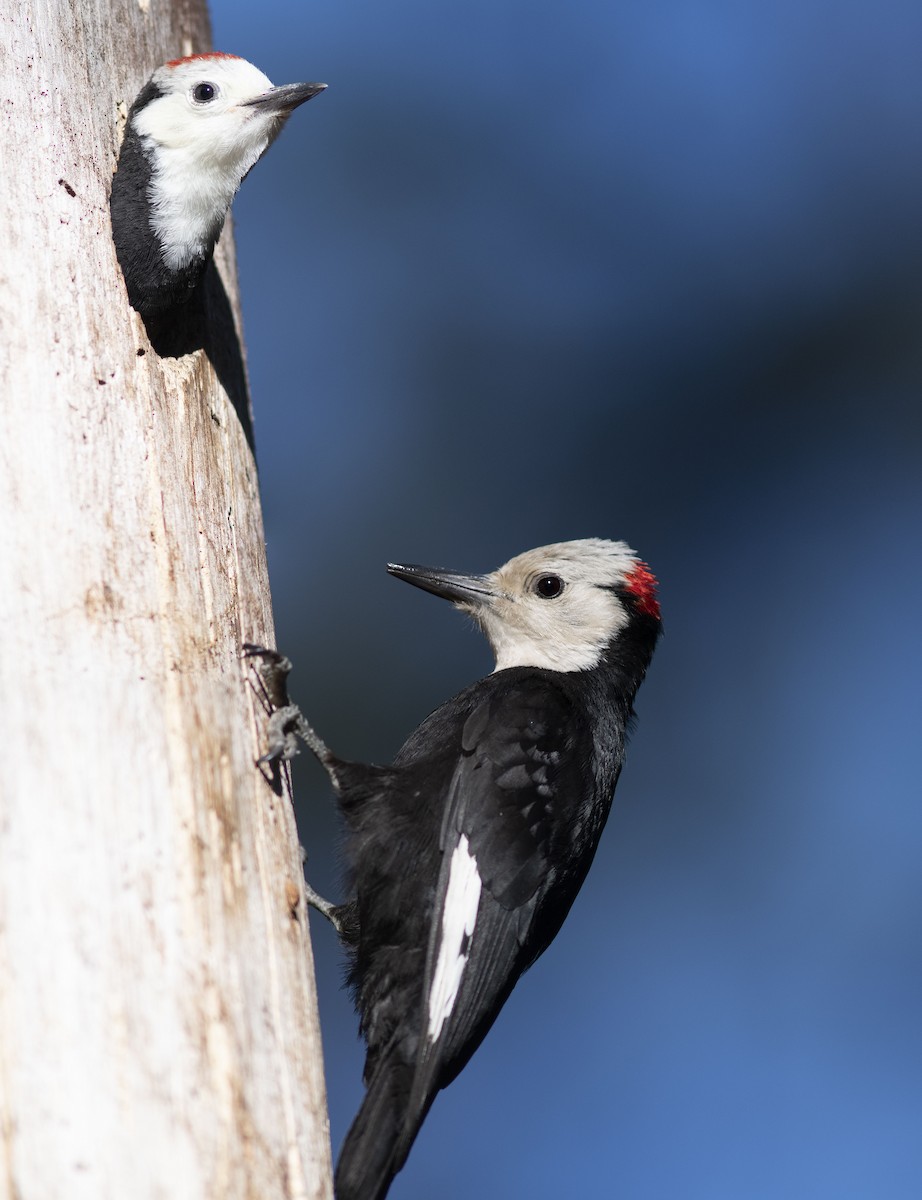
(641, 583)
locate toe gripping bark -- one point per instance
(286, 725)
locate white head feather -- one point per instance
(205, 133)
(564, 632)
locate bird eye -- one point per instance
(548, 587)
(202, 93)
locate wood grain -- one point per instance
(158, 1022)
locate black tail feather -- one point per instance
(377, 1144)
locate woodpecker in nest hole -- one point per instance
(194, 131)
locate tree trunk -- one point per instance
(158, 1022)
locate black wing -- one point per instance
(510, 812)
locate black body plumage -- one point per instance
(525, 770)
(467, 853)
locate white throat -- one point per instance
(189, 200)
(553, 652)
(556, 636)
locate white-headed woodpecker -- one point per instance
(194, 131)
(467, 853)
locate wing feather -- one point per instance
(500, 819)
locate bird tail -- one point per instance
(379, 1140)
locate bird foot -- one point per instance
(326, 907)
(287, 723)
(343, 917)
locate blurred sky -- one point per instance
(648, 270)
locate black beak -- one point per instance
(460, 589)
(285, 98)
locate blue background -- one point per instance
(648, 270)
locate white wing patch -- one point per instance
(459, 917)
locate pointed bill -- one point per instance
(460, 589)
(285, 98)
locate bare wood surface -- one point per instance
(158, 1024)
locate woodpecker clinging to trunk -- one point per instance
(467, 852)
(195, 129)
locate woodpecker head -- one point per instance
(559, 607)
(194, 131)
